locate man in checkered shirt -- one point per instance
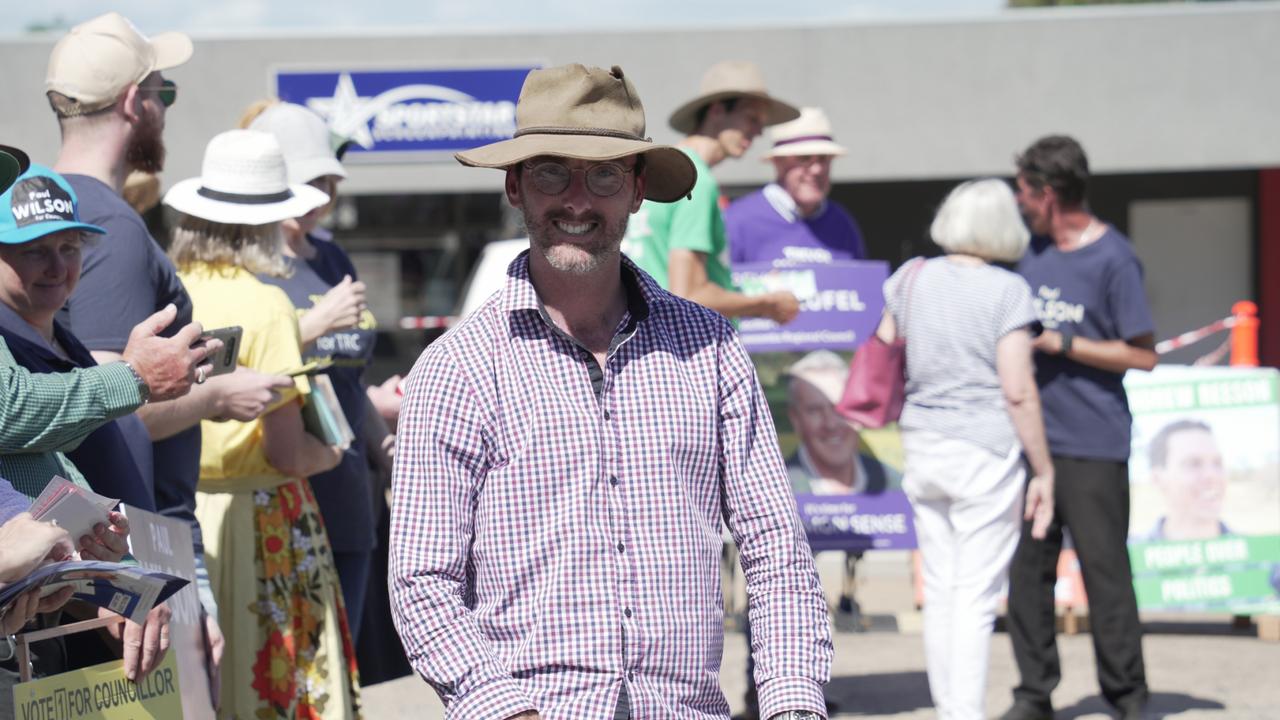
(569, 452)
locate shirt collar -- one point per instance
(12, 325)
(859, 485)
(782, 203)
(642, 291)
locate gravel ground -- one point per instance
(1197, 667)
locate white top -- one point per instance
(954, 316)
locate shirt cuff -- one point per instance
(204, 589)
(498, 699)
(791, 693)
(119, 388)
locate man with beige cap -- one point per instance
(105, 85)
(683, 245)
(569, 452)
(790, 220)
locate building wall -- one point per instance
(1146, 88)
(1172, 102)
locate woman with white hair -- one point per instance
(970, 424)
(288, 648)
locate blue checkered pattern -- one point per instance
(548, 547)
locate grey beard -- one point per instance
(596, 257)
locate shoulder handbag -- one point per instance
(876, 388)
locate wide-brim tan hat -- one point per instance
(586, 113)
(731, 79)
(243, 181)
(809, 134)
(98, 59)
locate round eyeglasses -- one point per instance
(552, 178)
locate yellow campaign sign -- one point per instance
(101, 692)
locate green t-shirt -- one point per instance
(686, 224)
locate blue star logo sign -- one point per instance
(409, 111)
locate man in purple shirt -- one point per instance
(790, 220)
(570, 451)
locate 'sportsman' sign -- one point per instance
(386, 112)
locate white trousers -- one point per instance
(967, 503)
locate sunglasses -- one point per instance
(603, 179)
(166, 91)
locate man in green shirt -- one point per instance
(682, 244)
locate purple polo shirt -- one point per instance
(760, 232)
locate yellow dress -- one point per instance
(288, 650)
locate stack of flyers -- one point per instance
(72, 508)
(126, 590)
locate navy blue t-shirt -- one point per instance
(1094, 292)
(126, 277)
(343, 492)
(115, 458)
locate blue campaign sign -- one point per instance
(385, 111)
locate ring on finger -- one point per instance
(200, 375)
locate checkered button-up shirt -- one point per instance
(552, 544)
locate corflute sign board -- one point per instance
(388, 114)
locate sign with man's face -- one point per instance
(1205, 488)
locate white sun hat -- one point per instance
(305, 139)
(243, 180)
(809, 134)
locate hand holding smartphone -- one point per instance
(224, 361)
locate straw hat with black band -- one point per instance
(13, 162)
(584, 113)
(726, 80)
(809, 134)
(243, 181)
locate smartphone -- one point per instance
(225, 359)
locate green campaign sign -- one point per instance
(1205, 489)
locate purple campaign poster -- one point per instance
(840, 304)
(858, 522)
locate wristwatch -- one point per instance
(797, 715)
(1067, 337)
(144, 390)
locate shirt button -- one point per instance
(613, 480)
(627, 612)
(607, 415)
(621, 547)
(631, 675)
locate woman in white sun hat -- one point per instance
(288, 648)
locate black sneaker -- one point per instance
(1026, 711)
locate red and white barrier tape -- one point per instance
(428, 322)
(1195, 336)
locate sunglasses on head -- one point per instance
(166, 91)
(552, 178)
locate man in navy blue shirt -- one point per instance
(1087, 286)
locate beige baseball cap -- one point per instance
(98, 59)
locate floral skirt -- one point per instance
(288, 651)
